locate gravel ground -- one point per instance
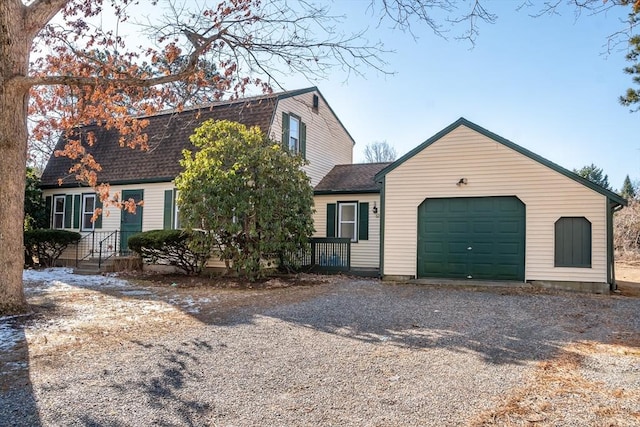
(343, 352)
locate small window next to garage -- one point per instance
(573, 242)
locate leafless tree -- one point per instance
(378, 152)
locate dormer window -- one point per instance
(294, 134)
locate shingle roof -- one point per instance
(168, 136)
(356, 178)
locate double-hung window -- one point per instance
(294, 134)
(347, 220)
(88, 208)
(58, 211)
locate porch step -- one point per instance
(92, 266)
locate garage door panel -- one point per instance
(481, 238)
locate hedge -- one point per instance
(47, 245)
(186, 249)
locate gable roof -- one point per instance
(168, 134)
(354, 178)
(497, 138)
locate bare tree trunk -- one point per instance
(14, 58)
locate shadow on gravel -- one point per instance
(163, 385)
(18, 405)
(499, 327)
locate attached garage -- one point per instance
(471, 238)
(469, 204)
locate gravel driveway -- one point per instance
(343, 352)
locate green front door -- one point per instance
(130, 223)
(472, 238)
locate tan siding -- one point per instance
(152, 214)
(327, 142)
(365, 253)
(491, 169)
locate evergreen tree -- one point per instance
(595, 175)
(628, 192)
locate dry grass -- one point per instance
(558, 386)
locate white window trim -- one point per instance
(176, 210)
(354, 238)
(53, 219)
(84, 212)
(296, 146)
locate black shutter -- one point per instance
(303, 140)
(363, 221)
(76, 211)
(68, 206)
(331, 220)
(48, 203)
(285, 131)
(167, 222)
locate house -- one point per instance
(465, 204)
(302, 118)
(347, 203)
(469, 204)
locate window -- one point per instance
(573, 242)
(171, 218)
(294, 134)
(347, 224)
(88, 208)
(348, 219)
(176, 211)
(58, 211)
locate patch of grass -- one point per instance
(555, 387)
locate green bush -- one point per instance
(187, 250)
(47, 245)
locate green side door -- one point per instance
(472, 238)
(130, 223)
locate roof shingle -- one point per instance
(168, 135)
(357, 178)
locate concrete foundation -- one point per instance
(589, 287)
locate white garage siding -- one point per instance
(491, 169)
(364, 253)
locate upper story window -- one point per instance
(294, 134)
(58, 211)
(88, 208)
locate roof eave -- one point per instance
(536, 157)
(353, 191)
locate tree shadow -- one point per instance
(498, 326)
(18, 404)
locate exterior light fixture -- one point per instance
(375, 208)
(463, 181)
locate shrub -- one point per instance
(47, 245)
(185, 249)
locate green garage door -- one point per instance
(472, 238)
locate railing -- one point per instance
(322, 255)
(102, 245)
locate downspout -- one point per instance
(611, 270)
(382, 215)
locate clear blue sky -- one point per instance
(542, 83)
